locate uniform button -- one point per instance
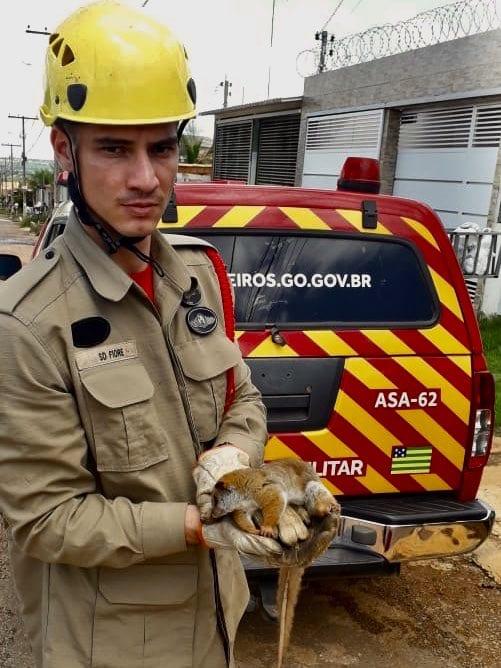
(49, 254)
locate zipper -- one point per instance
(184, 397)
(220, 620)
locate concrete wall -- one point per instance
(467, 67)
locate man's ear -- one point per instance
(61, 145)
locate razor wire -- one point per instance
(442, 24)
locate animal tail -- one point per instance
(289, 585)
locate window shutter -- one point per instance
(232, 150)
(277, 150)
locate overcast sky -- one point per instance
(223, 37)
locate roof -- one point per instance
(262, 107)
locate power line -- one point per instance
(332, 15)
(23, 118)
(36, 140)
(356, 7)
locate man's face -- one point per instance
(127, 172)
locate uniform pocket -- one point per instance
(145, 616)
(128, 435)
(205, 362)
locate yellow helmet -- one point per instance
(113, 65)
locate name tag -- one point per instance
(113, 352)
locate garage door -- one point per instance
(331, 139)
(447, 158)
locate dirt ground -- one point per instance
(436, 614)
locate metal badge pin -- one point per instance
(192, 296)
(201, 320)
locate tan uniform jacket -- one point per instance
(97, 542)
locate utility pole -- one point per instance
(23, 157)
(12, 168)
(323, 38)
(2, 176)
(226, 90)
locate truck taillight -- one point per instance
(483, 428)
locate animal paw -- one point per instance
(268, 531)
(291, 527)
(303, 514)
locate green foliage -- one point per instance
(191, 147)
(40, 178)
(490, 329)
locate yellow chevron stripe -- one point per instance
(355, 219)
(422, 230)
(388, 341)
(362, 420)
(331, 343)
(269, 349)
(329, 443)
(444, 341)
(368, 374)
(238, 216)
(332, 488)
(429, 377)
(446, 293)
(306, 219)
(384, 439)
(185, 214)
(435, 435)
(431, 481)
(463, 362)
(375, 482)
(420, 420)
(276, 449)
(238, 334)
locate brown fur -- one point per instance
(261, 495)
(270, 488)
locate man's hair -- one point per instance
(70, 128)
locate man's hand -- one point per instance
(223, 534)
(192, 526)
(211, 466)
(321, 534)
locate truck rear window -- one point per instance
(305, 280)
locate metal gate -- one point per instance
(277, 150)
(330, 139)
(447, 158)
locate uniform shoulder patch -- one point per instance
(15, 289)
(183, 240)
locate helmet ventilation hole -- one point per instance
(56, 46)
(53, 37)
(68, 56)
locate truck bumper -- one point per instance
(413, 528)
(376, 534)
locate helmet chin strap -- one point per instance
(90, 218)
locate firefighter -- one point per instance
(115, 368)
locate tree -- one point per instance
(40, 178)
(191, 145)
(191, 149)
